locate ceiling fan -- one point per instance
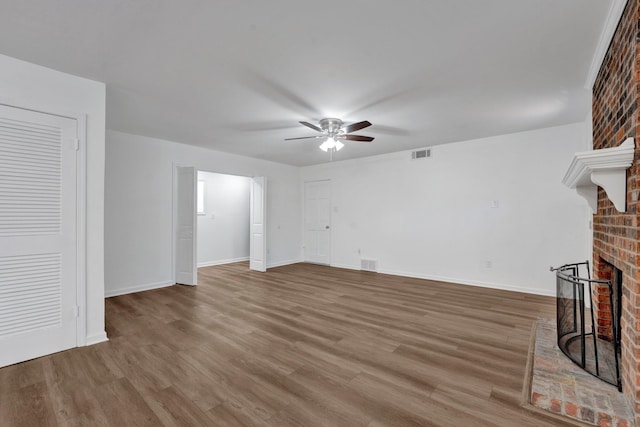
(334, 131)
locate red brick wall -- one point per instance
(615, 234)
(601, 300)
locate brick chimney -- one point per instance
(616, 237)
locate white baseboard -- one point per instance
(283, 263)
(491, 285)
(97, 338)
(138, 288)
(223, 261)
(348, 267)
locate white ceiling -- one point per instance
(237, 76)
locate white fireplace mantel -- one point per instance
(606, 168)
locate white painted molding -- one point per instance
(137, 288)
(283, 263)
(491, 285)
(608, 30)
(96, 338)
(222, 262)
(345, 266)
(590, 194)
(606, 168)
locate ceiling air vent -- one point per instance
(421, 154)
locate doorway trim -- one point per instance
(258, 225)
(174, 208)
(186, 186)
(174, 217)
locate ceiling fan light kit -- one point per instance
(334, 130)
(330, 143)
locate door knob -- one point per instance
(326, 226)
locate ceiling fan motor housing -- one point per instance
(331, 126)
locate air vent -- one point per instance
(369, 265)
(421, 154)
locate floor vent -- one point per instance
(421, 154)
(369, 265)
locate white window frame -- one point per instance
(202, 211)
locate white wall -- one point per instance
(33, 86)
(425, 218)
(223, 230)
(588, 145)
(138, 207)
(432, 218)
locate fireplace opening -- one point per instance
(617, 305)
(590, 338)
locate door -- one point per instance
(38, 227)
(258, 241)
(185, 226)
(317, 219)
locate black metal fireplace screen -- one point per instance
(577, 336)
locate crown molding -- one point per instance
(608, 30)
(606, 168)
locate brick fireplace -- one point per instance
(616, 239)
(606, 303)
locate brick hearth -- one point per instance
(561, 387)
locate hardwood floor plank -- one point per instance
(230, 383)
(406, 405)
(231, 415)
(27, 406)
(175, 410)
(124, 405)
(301, 345)
(331, 397)
(72, 398)
(15, 377)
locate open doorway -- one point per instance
(190, 197)
(222, 215)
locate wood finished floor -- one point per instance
(302, 345)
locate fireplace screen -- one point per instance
(575, 323)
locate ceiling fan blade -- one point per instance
(312, 126)
(356, 126)
(304, 137)
(360, 138)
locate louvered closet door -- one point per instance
(37, 234)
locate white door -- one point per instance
(258, 241)
(38, 220)
(185, 227)
(317, 220)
